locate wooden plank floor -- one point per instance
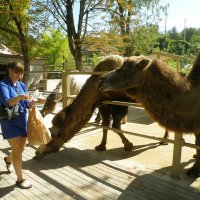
(79, 172)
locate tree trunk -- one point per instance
(128, 51)
(23, 39)
(26, 58)
(78, 59)
(25, 50)
(74, 37)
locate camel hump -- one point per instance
(194, 74)
(109, 63)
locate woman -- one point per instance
(13, 92)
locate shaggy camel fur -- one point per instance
(72, 118)
(159, 88)
(54, 97)
(105, 113)
(76, 83)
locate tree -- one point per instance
(187, 33)
(63, 12)
(127, 15)
(180, 43)
(173, 34)
(21, 21)
(162, 43)
(53, 46)
(195, 40)
(143, 39)
(179, 47)
(123, 14)
(15, 23)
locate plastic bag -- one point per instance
(38, 133)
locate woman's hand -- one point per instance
(23, 97)
(31, 104)
(15, 100)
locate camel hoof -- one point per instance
(38, 156)
(193, 172)
(195, 156)
(100, 148)
(163, 143)
(128, 146)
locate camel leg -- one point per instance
(166, 136)
(105, 111)
(194, 171)
(98, 118)
(118, 113)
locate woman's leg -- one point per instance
(17, 144)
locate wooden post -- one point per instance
(176, 155)
(64, 89)
(158, 55)
(178, 65)
(68, 92)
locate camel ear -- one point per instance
(143, 63)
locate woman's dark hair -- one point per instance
(16, 67)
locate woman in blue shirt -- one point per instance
(13, 91)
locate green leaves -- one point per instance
(54, 47)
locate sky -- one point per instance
(182, 13)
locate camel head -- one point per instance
(57, 134)
(41, 151)
(52, 147)
(50, 104)
(129, 75)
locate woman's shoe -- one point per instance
(23, 184)
(8, 165)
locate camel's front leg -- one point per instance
(105, 122)
(98, 118)
(102, 145)
(128, 146)
(118, 113)
(194, 171)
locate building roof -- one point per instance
(6, 51)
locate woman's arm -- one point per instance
(15, 100)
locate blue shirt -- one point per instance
(14, 127)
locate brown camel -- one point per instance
(159, 88)
(105, 114)
(73, 118)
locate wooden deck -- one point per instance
(79, 172)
